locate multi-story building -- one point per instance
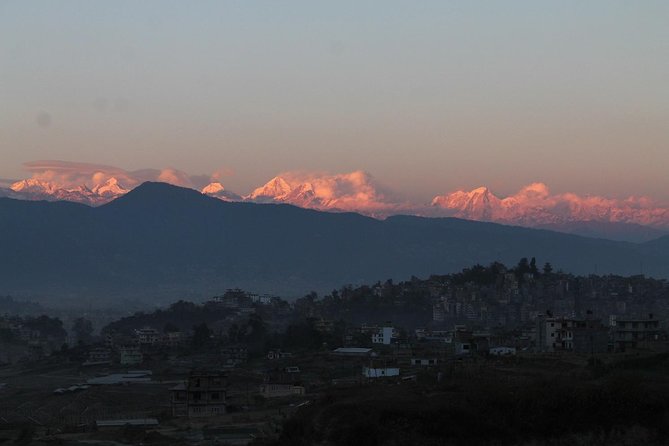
(173, 339)
(202, 395)
(634, 333)
(147, 336)
(280, 390)
(131, 356)
(98, 355)
(438, 312)
(566, 334)
(589, 336)
(384, 335)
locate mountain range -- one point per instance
(160, 242)
(534, 206)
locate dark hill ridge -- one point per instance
(161, 242)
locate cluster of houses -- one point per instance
(242, 301)
(130, 350)
(22, 340)
(513, 302)
(590, 335)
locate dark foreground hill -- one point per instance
(161, 242)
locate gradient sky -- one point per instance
(428, 96)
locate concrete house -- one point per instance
(202, 395)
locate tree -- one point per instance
(548, 268)
(47, 326)
(170, 328)
(533, 266)
(201, 335)
(234, 333)
(523, 266)
(255, 328)
(83, 330)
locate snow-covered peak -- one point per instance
(217, 190)
(33, 185)
(534, 205)
(212, 188)
(110, 188)
(277, 188)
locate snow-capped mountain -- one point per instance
(217, 190)
(34, 189)
(535, 206)
(532, 206)
(279, 190)
(110, 188)
(355, 191)
(276, 189)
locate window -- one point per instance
(197, 396)
(215, 396)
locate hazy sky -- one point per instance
(428, 96)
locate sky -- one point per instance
(428, 96)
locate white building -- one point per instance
(384, 335)
(380, 372)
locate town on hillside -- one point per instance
(243, 368)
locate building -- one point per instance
(502, 351)
(137, 376)
(635, 333)
(131, 356)
(384, 335)
(98, 356)
(324, 325)
(424, 362)
(235, 354)
(278, 354)
(264, 299)
(353, 352)
(462, 348)
(380, 372)
(438, 312)
(147, 336)
(202, 395)
(173, 339)
(280, 390)
(549, 331)
(572, 335)
(589, 336)
(234, 299)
